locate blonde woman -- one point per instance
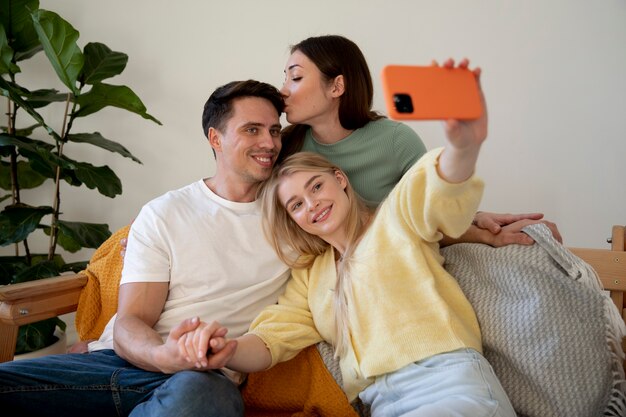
(373, 285)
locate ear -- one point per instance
(338, 87)
(341, 178)
(214, 137)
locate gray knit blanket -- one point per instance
(551, 334)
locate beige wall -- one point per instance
(554, 77)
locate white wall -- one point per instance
(554, 73)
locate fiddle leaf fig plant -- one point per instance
(33, 154)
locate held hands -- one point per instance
(187, 345)
(206, 347)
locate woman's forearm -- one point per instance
(457, 165)
(251, 355)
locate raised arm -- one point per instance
(457, 162)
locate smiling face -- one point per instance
(247, 146)
(309, 97)
(317, 202)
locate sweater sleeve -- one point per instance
(430, 205)
(287, 327)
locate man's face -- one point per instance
(250, 141)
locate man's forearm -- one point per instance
(137, 343)
(473, 235)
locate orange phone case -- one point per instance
(430, 93)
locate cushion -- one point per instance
(551, 334)
(300, 387)
(98, 299)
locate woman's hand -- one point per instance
(467, 132)
(464, 138)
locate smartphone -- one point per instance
(430, 93)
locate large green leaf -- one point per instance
(41, 98)
(75, 267)
(41, 161)
(85, 235)
(98, 140)
(102, 178)
(35, 336)
(15, 16)
(64, 241)
(101, 63)
(42, 158)
(58, 38)
(6, 55)
(46, 162)
(24, 132)
(24, 143)
(18, 221)
(9, 266)
(10, 91)
(27, 177)
(40, 269)
(6, 150)
(102, 95)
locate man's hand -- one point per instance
(500, 230)
(512, 233)
(82, 346)
(506, 228)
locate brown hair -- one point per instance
(335, 55)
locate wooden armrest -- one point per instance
(32, 301)
(609, 264)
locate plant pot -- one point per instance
(60, 346)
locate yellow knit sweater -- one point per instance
(406, 306)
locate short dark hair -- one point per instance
(218, 108)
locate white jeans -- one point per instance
(459, 383)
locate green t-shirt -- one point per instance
(374, 157)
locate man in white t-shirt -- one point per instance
(194, 254)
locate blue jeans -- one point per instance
(453, 384)
(103, 384)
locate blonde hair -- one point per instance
(286, 236)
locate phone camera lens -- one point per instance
(403, 103)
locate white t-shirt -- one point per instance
(213, 254)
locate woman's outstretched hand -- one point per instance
(463, 130)
(464, 137)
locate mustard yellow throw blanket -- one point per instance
(301, 387)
